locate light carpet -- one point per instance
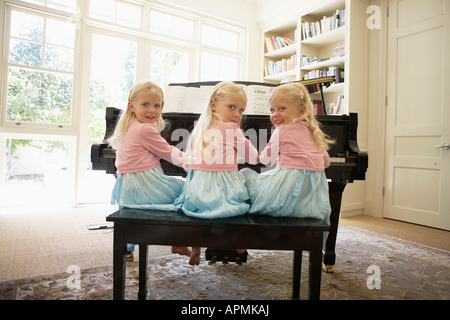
(369, 266)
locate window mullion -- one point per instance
(43, 43)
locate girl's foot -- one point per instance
(184, 251)
(195, 257)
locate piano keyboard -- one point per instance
(337, 160)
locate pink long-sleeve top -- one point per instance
(142, 147)
(228, 140)
(294, 147)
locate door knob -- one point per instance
(443, 146)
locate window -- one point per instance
(169, 66)
(55, 91)
(40, 69)
(215, 67)
(120, 12)
(37, 171)
(63, 5)
(220, 38)
(113, 73)
(223, 64)
(172, 25)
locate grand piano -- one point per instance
(348, 163)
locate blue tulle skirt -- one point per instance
(150, 189)
(283, 192)
(214, 194)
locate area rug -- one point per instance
(369, 266)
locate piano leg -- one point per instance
(335, 190)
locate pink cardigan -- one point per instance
(294, 147)
(220, 155)
(142, 147)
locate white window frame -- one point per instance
(59, 128)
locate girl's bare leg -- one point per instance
(184, 251)
(195, 256)
(241, 251)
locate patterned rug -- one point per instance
(369, 266)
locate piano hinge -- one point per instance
(386, 101)
(387, 12)
(384, 190)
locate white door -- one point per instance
(417, 181)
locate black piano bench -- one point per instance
(250, 231)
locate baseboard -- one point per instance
(351, 213)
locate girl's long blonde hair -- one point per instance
(198, 139)
(298, 94)
(128, 116)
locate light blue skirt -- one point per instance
(150, 189)
(214, 194)
(282, 192)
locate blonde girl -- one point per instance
(140, 182)
(214, 187)
(297, 186)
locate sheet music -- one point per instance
(257, 99)
(194, 99)
(174, 98)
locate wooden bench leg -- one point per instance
(143, 257)
(315, 272)
(119, 263)
(297, 274)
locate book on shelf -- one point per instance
(306, 61)
(326, 24)
(336, 107)
(338, 51)
(337, 73)
(318, 107)
(312, 88)
(274, 67)
(275, 43)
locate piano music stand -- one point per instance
(324, 81)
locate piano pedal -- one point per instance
(130, 256)
(213, 260)
(226, 256)
(328, 268)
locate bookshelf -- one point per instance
(281, 63)
(325, 37)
